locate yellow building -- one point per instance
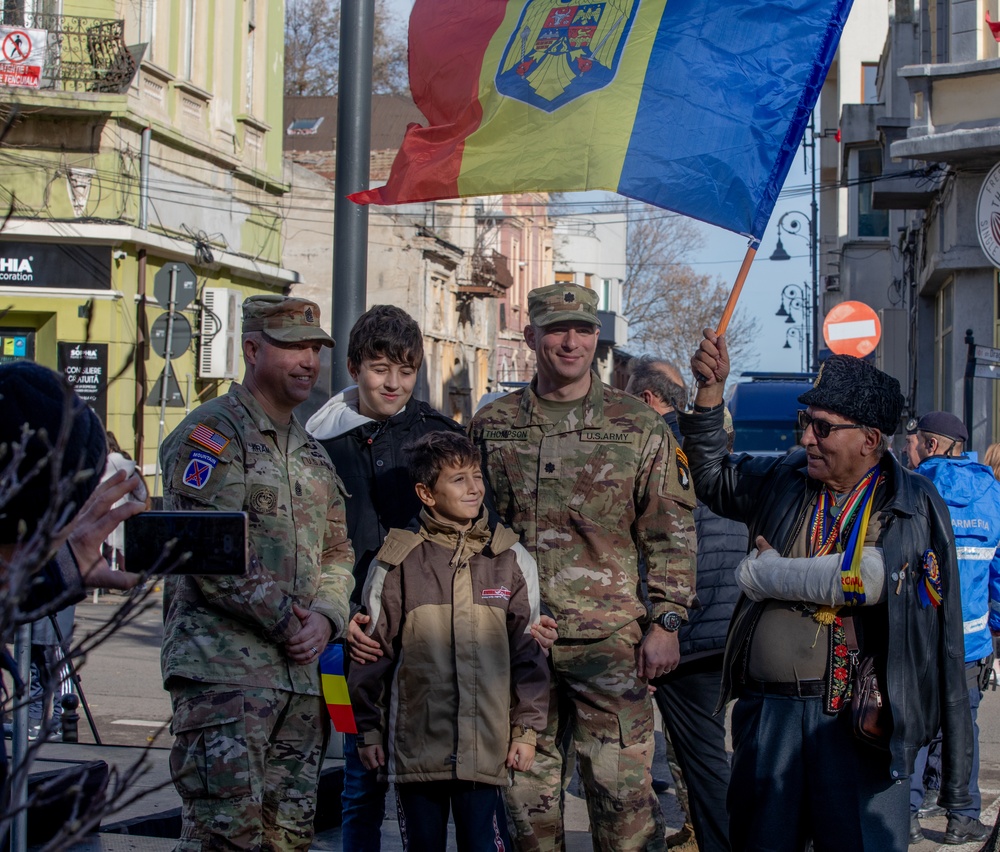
(138, 152)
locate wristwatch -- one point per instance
(521, 730)
(670, 621)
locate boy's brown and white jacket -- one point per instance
(460, 673)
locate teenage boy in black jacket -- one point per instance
(364, 429)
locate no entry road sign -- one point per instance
(852, 328)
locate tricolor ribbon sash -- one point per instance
(338, 702)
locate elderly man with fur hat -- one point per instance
(853, 561)
(240, 654)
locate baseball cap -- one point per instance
(562, 303)
(286, 319)
(945, 424)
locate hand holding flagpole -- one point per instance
(710, 364)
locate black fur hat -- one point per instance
(855, 389)
(35, 398)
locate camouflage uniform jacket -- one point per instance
(587, 497)
(224, 456)
(452, 611)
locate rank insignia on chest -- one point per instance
(209, 439)
(683, 471)
(929, 589)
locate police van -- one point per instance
(765, 407)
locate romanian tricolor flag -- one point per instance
(697, 106)
(338, 702)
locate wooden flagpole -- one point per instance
(727, 313)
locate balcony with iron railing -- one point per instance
(491, 276)
(80, 54)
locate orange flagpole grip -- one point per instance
(727, 313)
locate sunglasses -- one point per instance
(823, 428)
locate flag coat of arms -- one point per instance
(688, 105)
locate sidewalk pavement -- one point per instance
(149, 822)
(122, 681)
(154, 806)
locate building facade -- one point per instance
(914, 162)
(141, 157)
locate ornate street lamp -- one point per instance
(795, 226)
(807, 303)
(795, 300)
(795, 333)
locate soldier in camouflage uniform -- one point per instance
(240, 654)
(590, 478)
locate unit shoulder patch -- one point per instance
(198, 474)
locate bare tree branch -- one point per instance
(665, 301)
(312, 49)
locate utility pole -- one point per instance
(350, 220)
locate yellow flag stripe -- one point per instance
(335, 690)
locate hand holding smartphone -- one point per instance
(190, 542)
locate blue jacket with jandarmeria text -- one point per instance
(973, 497)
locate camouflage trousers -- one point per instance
(246, 763)
(598, 702)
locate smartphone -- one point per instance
(205, 542)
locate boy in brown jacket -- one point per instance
(453, 703)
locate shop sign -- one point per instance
(85, 366)
(67, 266)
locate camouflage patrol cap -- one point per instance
(562, 303)
(285, 319)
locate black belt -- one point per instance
(795, 688)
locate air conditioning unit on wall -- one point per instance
(219, 343)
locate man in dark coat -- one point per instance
(849, 546)
(687, 696)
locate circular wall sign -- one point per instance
(988, 215)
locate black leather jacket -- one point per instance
(919, 650)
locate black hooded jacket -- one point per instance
(369, 459)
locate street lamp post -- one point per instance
(794, 226)
(794, 298)
(809, 303)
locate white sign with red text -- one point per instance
(22, 55)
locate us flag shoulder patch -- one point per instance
(209, 439)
